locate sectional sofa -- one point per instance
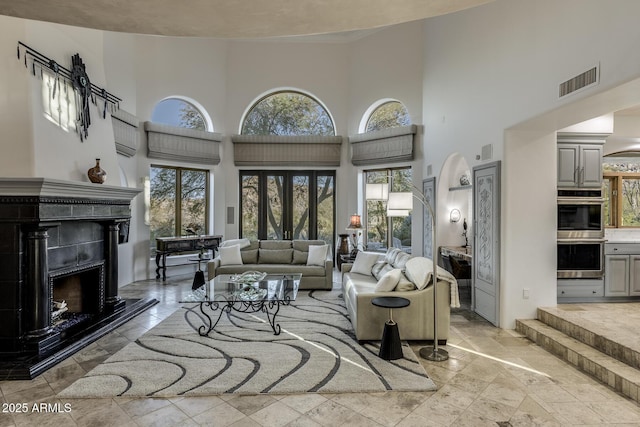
(415, 322)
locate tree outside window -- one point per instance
(288, 113)
(179, 113)
(388, 115)
(286, 204)
(622, 191)
(377, 222)
(383, 231)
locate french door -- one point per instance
(286, 205)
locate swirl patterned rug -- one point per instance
(316, 352)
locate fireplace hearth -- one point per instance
(59, 275)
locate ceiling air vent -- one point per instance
(581, 81)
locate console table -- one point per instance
(169, 245)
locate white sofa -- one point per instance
(415, 322)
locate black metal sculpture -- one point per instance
(77, 76)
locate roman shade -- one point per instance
(125, 132)
(276, 150)
(182, 144)
(383, 146)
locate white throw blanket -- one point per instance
(419, 270)
(444, 275)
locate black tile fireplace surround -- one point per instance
(58, 240)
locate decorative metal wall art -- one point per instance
(85, 91)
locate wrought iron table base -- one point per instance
(269, 307)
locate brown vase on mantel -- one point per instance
(96, 174)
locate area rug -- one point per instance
(315, 352)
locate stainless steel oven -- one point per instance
(581, 258)
(580, 214)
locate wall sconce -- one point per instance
(454, 215)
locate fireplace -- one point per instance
(59, 271)
(76, 296)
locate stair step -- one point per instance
(616, 374)
(596, 335)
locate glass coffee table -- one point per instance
(226, 293)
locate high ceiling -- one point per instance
(232, 18)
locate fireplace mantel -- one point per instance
(54, 188)
(51, 228)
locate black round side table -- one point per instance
(390, 346)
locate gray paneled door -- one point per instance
(486, 241)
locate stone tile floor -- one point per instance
(494, 377)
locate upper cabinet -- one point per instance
(580, 160)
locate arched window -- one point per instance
(390, 114)
(178, 195)
(288, 113)
(180, 113)
(288, 204)
(384, 231)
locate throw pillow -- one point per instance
(380, 268)
(230, 255)
(364, 262)
(405, 284)
(300, 257)
(249, 256)
(389, 281)
(317, 255)
(275, 256)
(418, 270)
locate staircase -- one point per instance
(607, 350)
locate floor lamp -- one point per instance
(399, 204)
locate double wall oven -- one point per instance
(580, 233)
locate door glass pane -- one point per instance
(401, 226)
(376, 213)
(275, 202)
(325, 208)
(630, 202)
(193, 200)
(300, 206)
(249, 210)
(162, 209)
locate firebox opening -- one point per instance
(76, 297)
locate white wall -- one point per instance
(497, 67)
(16, 142)
(386, 65)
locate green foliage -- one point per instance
(169, 215)
(191, 118)
(377, 224)
(388, 115)
(288, 113)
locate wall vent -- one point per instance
(581, 81)
(429, 170)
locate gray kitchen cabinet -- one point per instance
(622, 270)
(580, 160)
(579, 290)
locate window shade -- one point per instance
(125, 132)
(182, 144)
(383, 146)
(276, 150)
